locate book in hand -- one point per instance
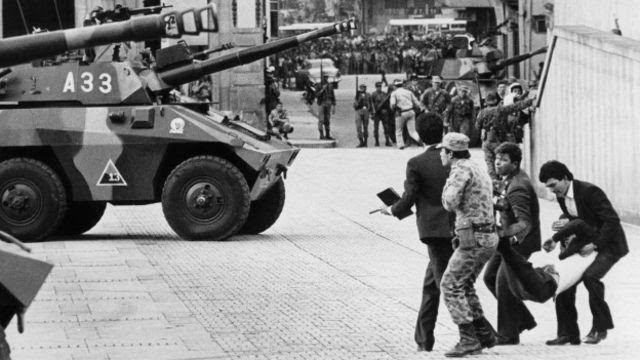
(389, 197)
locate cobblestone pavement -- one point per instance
(327, 281)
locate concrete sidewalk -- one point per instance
(327, 281)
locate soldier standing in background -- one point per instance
(492, 121)
(460, 112)
(380, 108)
(326, 99)
(362, 105)
(468, 191)
(435, 99)
(272, 96)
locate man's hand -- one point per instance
(333, 110)
(587, 249)
(559, 224)
(549, 245)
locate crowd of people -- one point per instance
(366, 54)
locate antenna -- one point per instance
(24, 20)
(55, 4)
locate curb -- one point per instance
(313, 144)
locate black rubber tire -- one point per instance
(81, 217)
(219, 186)
(33, 185)
(265, 211)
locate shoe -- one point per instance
(328, 138)
(595, 337)
(503, 340)
(401, 147)
(388, 143)
(562, 340)
(361, 145)
(322, 137)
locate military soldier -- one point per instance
(326, 99)
(362, 105)
(460, 112)
(467, 192)
(493, 123)
(380, 107)
(272, 96)
(435, 99)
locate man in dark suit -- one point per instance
(579, 199)
(426, 177)
(519, 210)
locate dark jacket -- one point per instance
(423, 187)
(523, 206)
(596, 210)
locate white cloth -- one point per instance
(570, 270)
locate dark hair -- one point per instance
(511, 149)
(429, 127)
(554, 169)
(464, 154)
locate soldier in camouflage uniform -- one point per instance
(459, 113)
(436, 99)
(467, 192)
(493, 123)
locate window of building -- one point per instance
(539, 23)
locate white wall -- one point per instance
(600, 14)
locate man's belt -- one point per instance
(484, 228)
(405, 110)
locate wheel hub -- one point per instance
(204, 201)
(20, 202)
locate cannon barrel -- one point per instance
(194, 71)
(21, 49)
(503, 63)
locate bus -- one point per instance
(437, 26)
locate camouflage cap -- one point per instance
(455, 142)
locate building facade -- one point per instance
(587, 115)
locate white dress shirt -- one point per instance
(570, 201)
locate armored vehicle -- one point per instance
(76, 136)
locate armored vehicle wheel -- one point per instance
(33, 199)
(265, 211)
(206, 197)
(81, 217)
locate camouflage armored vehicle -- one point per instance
(77, 136)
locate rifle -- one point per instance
(123, 13)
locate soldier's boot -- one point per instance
(468, 344)
(360, 142)
(377, 142)
(485, 333)
(387, 141)
(321, 134)
(328, 137)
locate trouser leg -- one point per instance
(513, 315)
(439, 253)
(400, 121)
(458, 283)
(359, 127)
(365, 126)
(411, 126)
(603, 262)
(525, 281)
(566, 313)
